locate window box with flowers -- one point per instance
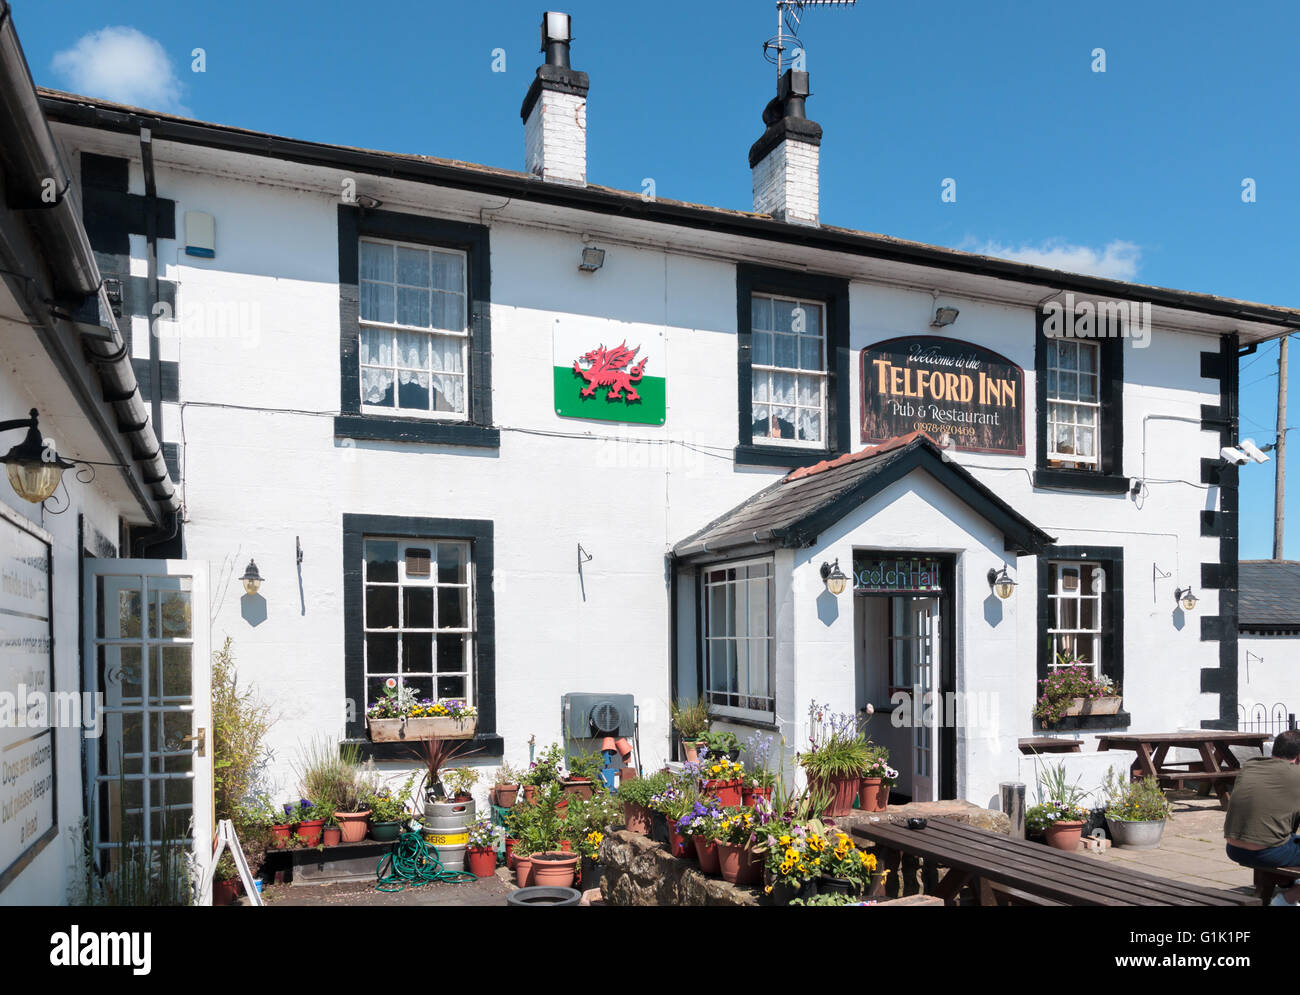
(399, 716)
(1073, 689)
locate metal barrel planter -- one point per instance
(446, 828)
(1144, 835)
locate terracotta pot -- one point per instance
(727, 793)
(579, 786)
(843, 790)
(638, 818)
(530, 794)
(676, 841)
(481, 861)
(510, 852)
(554, 869)
(626, 774)
(352, 825)
(692, 750)
(706, 852)
(280, 835)
(225, 892)
(507, 794)
(739, 864)
(524, 871)
(332, 835)
(1064, 835)
(310, 831)
(749, 793)
(873, 794)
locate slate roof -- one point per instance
(793, 511)
(1269, 594)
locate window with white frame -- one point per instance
(738, 608)
(788, 370)
(1076, 618)
(418, 617)
(1073, 403)
(414, 329)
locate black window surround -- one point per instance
(479, 534)
(1109, 478)
(1111, 560)
(834, 292)
(355, 223)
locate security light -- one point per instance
(834, 578)
(944, 316)
(1248, 447)
(592, 259)
(1236, 457)
(34, 469)
(1001, 583)
(252, 579)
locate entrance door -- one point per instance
(916, 656)
(149, 778)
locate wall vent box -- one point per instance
(613, 715)
(200, 235)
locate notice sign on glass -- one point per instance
(902, 575)
(26, 678)
(962, 395)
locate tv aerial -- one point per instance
(789, 14)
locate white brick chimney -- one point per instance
(785, 161)
(555, 110)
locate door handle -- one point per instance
(201, 738)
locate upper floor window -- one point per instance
(789, 370)
(414, 332)
(1074, 403)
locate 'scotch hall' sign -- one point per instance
(966, 393)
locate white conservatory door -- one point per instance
(925, 684)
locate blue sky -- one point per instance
(1135, 172)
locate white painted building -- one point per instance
(367, 375)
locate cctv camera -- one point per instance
(1248, 447)
(1234, 456)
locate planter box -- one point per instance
(1136, 835)
(410, 730)
(1094, 706)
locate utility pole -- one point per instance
(1279, 484)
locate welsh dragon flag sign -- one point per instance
(609, 370)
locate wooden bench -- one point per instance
(1269, 879)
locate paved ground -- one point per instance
(484, 891)
(1191, 850)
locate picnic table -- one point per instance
(1216, 768)
(1000, 870)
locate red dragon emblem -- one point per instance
(608, 368)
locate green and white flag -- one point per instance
(609, 370)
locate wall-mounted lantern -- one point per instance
(1186, 598)
(34, 469)
(834, 578)
(1001, 583)
(252, 579)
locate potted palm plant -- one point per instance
(691, 719)
(1136, 811)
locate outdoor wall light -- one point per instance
(1186, 598)
(34, 470)
(252, 579)
(944, 316)
(1001, 583)
(834, 578)
(592, 259)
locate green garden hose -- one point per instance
(412, 863)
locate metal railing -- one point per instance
(1264, 718)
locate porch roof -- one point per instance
(1269, 594)
(797, 508)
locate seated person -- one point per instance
(1264, 811)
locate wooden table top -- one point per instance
(1194, 738)
(1071, 878)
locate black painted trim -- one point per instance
(1118, 722)
(474, 241)
(1111, 559)
(170, 375)
(480, 534)
(1111, 444)
(834, 292)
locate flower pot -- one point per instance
(530, 794)
(410, 730)
(310, 831)
(706, 852)
(511, 842)
(658, 827)
(626, 774)
(385, 832)
(873, 794)
(1143, 835)
(524, 871)
(507, 794)
(225, 892)
(750, 793)
(785, 892)
(837, 886)
(281, 835)
(739, 864)
(727, 793)
(1094, 706)
(332, 836)
(638, 818)
(554, 869)
(691, 747)
(677, 842)
(842, 790)
(1064, 835)
(590, 873)
(482, 861)
(580, 786)
(352, 825)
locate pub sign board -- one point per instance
(896, 575)
(945, 388)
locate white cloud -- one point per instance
(121, 64)
(1117, 259)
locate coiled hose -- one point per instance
(412, 863)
